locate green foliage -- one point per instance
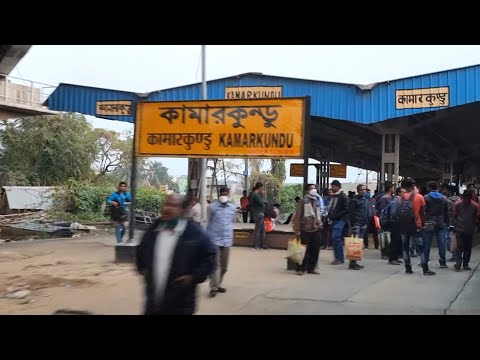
(46, 150)
(271, 185)
(154, 174)
(279, 172)
(287, 195)
(79, 197)
(150, 199)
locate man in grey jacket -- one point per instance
(307, 223)
(466, 214)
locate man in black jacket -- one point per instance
(358, 218)
(338, 214)
(174, 256)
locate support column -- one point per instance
(390, 159)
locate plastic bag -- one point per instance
(453, 246)
(353, 248)
(295, 250)
(269, 225)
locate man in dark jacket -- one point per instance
(466, 214)
(257, 210)
(358, 218)
(371, 226)
(338, 214)
(174, 256)
(437, 221)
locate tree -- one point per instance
(113, 152)
(279, 172)
(287, 196)
(46, 150)
(155, 174)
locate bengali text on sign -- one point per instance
(227, 128)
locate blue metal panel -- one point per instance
(83, 99)
(331, 100)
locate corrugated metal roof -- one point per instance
(83, 99)
(29, 197)
(361, 104)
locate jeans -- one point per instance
(464, 249)
(359, 232)
(448, 241)
(338, 227)
(423, 248)
(440, 233)
(260, 230)
(120, 229)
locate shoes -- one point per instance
(466, 267)
(355, 267)
(443, 266)
(221, 290)
(451, 259)
(336, 262)
(408, 270)
(429, 273)
(456, 267)
(365, 248)
(313, 272)
(413, 255)
(256, 248)
(213, 293)
(394, 262)
(299, 272)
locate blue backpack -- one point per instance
(386, 217)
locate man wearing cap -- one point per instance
(221, 216)
(338, 214)
(257, 207)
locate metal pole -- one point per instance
(203, 165)
(246, 174)
(133, 182)
(366, 178)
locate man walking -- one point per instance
(257, 208)
(371, 226)
(409, 217)
(119, 202)
(466, 214)
(307, 223)
(174, 256)
(437, 220)
(359, 211)
(338, 214)
(220, 230)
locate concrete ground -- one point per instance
(79, 274)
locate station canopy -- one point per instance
(436, 115)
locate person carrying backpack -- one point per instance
(409, 218)
(437, 221)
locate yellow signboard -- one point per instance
(272, 128)
(422, 98)
(253, 92)
(114, 108)
(296, 170)
(338, 171)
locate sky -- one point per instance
(145, 68)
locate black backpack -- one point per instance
(270, 211)
(404, 216)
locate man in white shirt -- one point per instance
(196, 211)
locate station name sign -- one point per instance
(272, 128)
(422, 98)
(253, 92)
(114, 108)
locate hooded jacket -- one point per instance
(437, 209)
(338, 207)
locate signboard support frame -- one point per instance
(306, 141)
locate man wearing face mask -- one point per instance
(307, 222)
(220, 230)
